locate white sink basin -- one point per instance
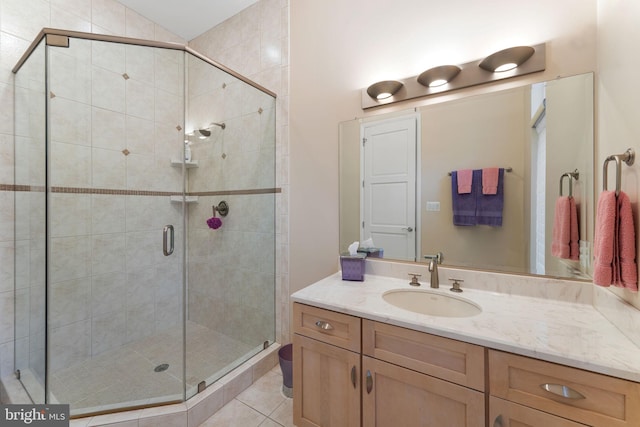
(431, 303)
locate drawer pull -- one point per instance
(498, 421)
(353, 376)
(562, 390)
(369, 382)
(325, 326)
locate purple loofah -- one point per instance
(214, 223)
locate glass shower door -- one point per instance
(115, 294)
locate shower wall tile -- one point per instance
(108, 291)
(110, 56)
(108, 169)
(80, 8)
(24, 18)
(107, 214)
(6, 158)
(72, 79)
(71, 121)
(139, 97)
(107, 129)
(7, 253)
(11, 49)
(140, 63)
(70, 258)
(6, 112)
(169, 108)
(169, 71)
(109, 14)
(69, 302)
(137, 26)
(70, 165)
(108, 253)
(139, 135)
(6, 323)
(108, 331)
(62, 18)
(70, 214)
(69, 344)
(108, 90)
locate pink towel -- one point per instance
(615, 243)
(627, 244)
(465, 179)
(603, 244)
(561, 229)
(574, 233)
(490, 180)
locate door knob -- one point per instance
(409, 229)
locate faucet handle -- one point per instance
(456, 285)
(414, 279)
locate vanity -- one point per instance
(545, 359)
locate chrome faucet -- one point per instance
(433, 269)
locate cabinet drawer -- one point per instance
(508, 414)
(600, 400)
(451, 360)
(328, 326)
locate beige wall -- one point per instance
(338, 47)
(618, 107)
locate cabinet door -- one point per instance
(326, 384)
(395, 396)
(503, 413)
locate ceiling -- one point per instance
(188, 18)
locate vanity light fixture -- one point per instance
(507, 59)
(384, 89)
(445, 78)
(439, 76)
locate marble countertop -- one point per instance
(568, 333)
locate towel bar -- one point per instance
(571, 175)
(628, 157)
(507, 169)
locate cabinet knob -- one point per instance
(562, 390)
(498, 421)
(325, 326)
(369, 382)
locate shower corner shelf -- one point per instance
(187, 199)
(178, 163)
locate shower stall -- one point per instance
(125, 296)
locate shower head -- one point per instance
(222, 125)
(203, 133)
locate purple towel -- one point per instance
(464, 205)
(489, 206)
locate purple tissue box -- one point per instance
(353, 266)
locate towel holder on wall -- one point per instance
(571, 175)
(628, 157)
(507, 169)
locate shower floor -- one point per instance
(126, 376)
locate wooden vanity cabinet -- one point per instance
(396, 377)
(326, 368)
(587, 398)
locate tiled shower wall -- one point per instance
(231, 269)
(20, 21)
(116, 121)
(255, 43)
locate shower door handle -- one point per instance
(167, 240)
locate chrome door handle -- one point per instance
(369, 382)
(562, 390)
(353, 376)
(167, 240)
(409, 229)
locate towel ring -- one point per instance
(571, 175)
(628, 157)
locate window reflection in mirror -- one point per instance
(541, 131)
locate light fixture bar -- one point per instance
(470, 74)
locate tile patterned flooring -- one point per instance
(262, 404)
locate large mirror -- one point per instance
(396, 184)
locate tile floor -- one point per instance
(262, 404)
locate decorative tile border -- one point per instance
(115, 192)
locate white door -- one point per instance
(389, 186)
